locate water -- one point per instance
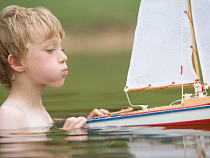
(111, 142)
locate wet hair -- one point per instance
(19, 27)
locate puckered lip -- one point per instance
(65, 71)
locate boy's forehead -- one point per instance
(45, 41)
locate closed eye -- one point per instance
(50, 50)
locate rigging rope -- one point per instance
(144, 107)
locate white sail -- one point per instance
(161, 46)
(201, 20)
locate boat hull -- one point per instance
(179, 116)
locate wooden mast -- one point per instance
(195, 56)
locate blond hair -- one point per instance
(19, 26)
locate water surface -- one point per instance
(132, 142)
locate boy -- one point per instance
(31, 58)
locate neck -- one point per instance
(24, 93)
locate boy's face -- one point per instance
(45, 63)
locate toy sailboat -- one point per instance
(171, 44)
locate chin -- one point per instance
(56, 85)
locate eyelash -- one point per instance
(51, 50)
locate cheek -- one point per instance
(43, 70)
(48, 70)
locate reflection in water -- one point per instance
(187, 147)
(146, 142)
(163, 142)
(23, 143)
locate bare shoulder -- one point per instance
(11, 118)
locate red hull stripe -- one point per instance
(196, 125)
(194, 122)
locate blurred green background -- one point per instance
(99, 38)
(86, 15)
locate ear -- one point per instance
(17, 66)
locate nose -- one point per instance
(62, 58)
